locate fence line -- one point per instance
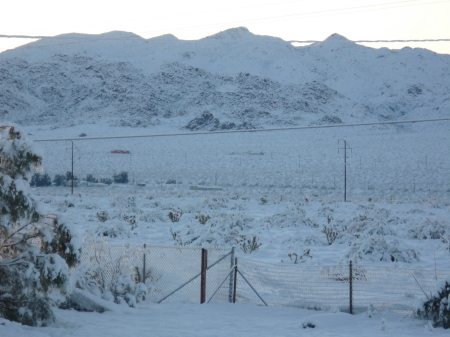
(172, 273)
(329, 287)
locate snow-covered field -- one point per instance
(221, 319)
(400, 163)
(284, 186)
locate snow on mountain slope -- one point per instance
(243, 80)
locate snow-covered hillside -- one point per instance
(230, 80)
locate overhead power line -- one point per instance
(247, 131)
(376, 41)
(354, 9)
(24, 36)
(291, 41)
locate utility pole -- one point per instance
(72, 168)
(72, 180)
(345, 165)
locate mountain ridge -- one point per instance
(241, 79)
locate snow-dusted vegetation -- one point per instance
(277, 196)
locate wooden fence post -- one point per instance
(231, 283)
(203, 276)
(351, 288)
(235, 280)
(144, 262)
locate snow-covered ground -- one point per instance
(284, 186)
(284, 197)
(222, 319)
(283, 189)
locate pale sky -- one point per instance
(194, 19)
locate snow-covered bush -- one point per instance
(297, 257)
(202, 218)
(291, 216)
(249, 244)
(35, 251)
(437, 308)
(376, 248)
(102, 216)
(121, 219)
(131, 219)
(122, 201)
(113, 229)
(331, 232)
(112, 277)
(429, 229)
(221, 230)
(175, 214)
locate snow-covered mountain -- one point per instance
(230, 80)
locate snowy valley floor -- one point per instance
(181, 319)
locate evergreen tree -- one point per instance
(59, 180)
(40, 180)
(36, 251)
(121, 178)
(437, 307)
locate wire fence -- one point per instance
(173, 273)
(163, 268)
(328, 287)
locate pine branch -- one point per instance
(17, 230)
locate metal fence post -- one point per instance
(203, 275)
(230, 293)
(351, 288)
(235, 279)
(143, 267)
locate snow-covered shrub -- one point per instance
(102, 216)
(437, 308)
(152, 217)
(376, 248)
(263, 201)
(371, 311)
(125, 290)
(122, 201)
(297, 257)
(175, 214)
(325, 212)
(331, 232)
(430, 229)
(221, 230)
(131, 219)
(202, 218)
(446, 241)
(35, 251)
(291, 216)
(110, 276)
(215, 203)
(249, 244)
(113, 229)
